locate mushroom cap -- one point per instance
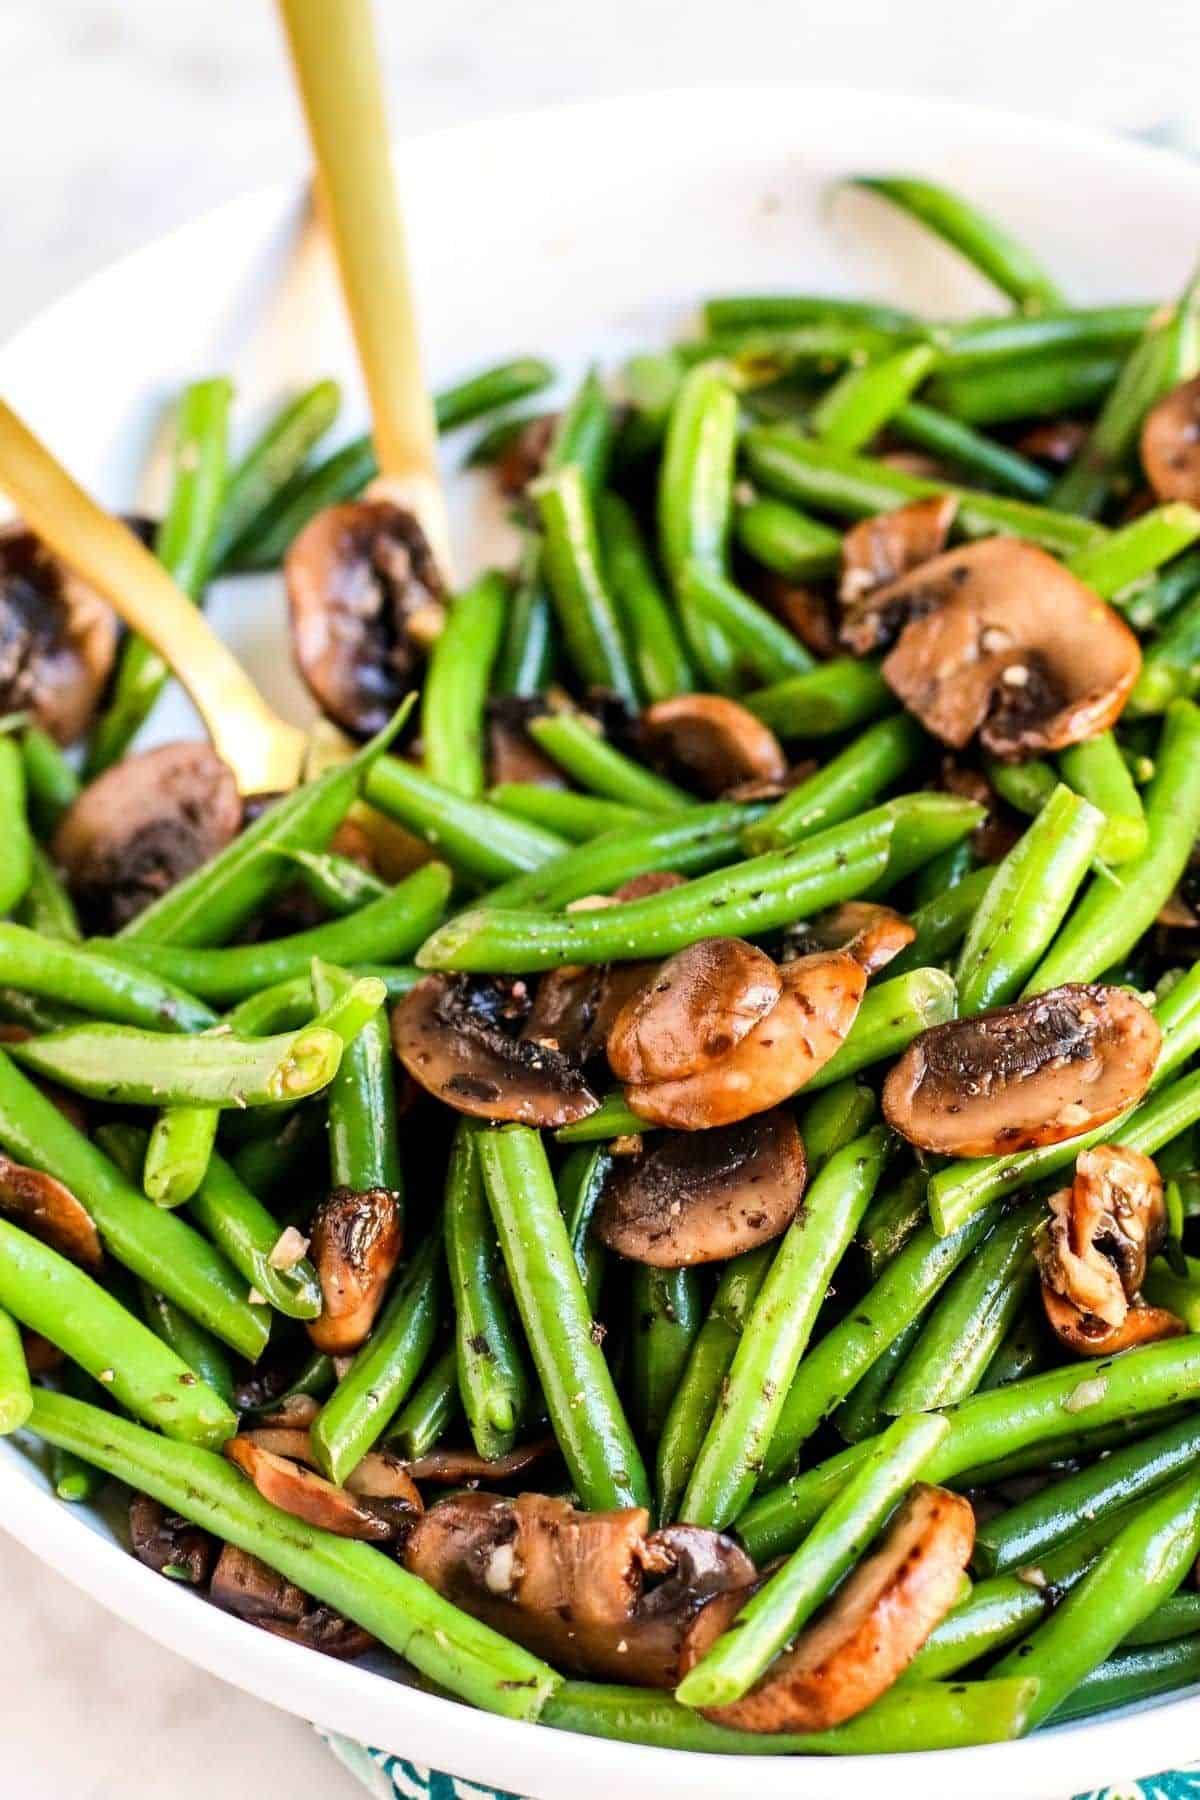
(46, 1209)
(356, 1242)
(1037, 1072)
(715, 741)
(163, 1540)
(818, 1000)
(697, 1198)
(463, 1056)
(692, 1010)
(877, 552)
(873, 1627)
(1003, 640)
(363, 592)
(872, 934)
(1171, 444)
(574, 1007)
(58, 638)
(142, 826)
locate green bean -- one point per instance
(363, 1147)
(969, 1319)
(1023, 1351)
(16, 870)
(1137, 549)
(985, 243)
(51, 782)
(454, 697)
(942, 923)
(759, 356)
(663, 666)
(178, 1153)
(861, 402)
(46, 907)
(576, 817)
(578, 746)
(582, 1402)
(648, 385)
(762, 646)
(777, 1332)
(832, 698)
(1004, 335)
(1045, 386)
(1150, 604)
(919, 1715)
(403, 1612)
(151, 1243)
(208, 906)
(1178, 1616)
(1027, 900)
(580, 1184)
(583, 435)
(890, 1016)
(979, 457)
(665, 1316)
(851, 486)
(995, 1613)
(98, 981)
(341, 885)
(501, 385)
(197, 1347)
(526, 660)
(385, 1370)
(736, 312)
(834, 1119)
(586, 610)
(1170, 666)
(16, 1394)
(787, 541)
(74, 1480)
(1026, 786)
(341, 477)
(51, 1296)
(778, 1610)
(1097, 770)
(695, 505)
(272, 461)
(1134, 1675)
(497, 438)
(183, 545)
(1165, 354)
(1109, 920)
(478, 840)
(844, 786)
(382, 931)
(491, 1375)
(752, 897)
(862, 1414)
(943, 872)
(314, 1380)
(1178, 1290)
(430, 1408)
(925, 826)
(891, 1221)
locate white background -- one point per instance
(122, 118)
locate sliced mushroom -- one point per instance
(877, 552)
(1171, 444)
(713, 741)
(654, 881)
(356, 1242)
(696, 1198)
(574, 1007)
(243, 1585)
(168, 1544)
(693, 1010)
(365, 595)
(49, 1211)
(41, 1356)
(524, 455)
(572, 1586)
(1054, 441)
(872, 934)
(142, 826)
(1088, 1336)
(512, 753)
(806, 612)
(817, 1004)
(450, 1036)
(1036, 1072)
(325, 1630)
(873, 1627)
(456, 1468)
(998, 638)
(58, 638)
(297, 1490)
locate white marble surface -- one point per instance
(122, 118)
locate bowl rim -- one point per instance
(382, 1710)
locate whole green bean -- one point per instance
(478, 840)
(890, 1016)
(763, 647)
(271, 462)
(1043, 386)
(46, 907)
(576, 817)
(1178, 1616)
(695, 504)
(580, 1184)
(1002, 335)
(340, 884)
(178, 1153)
(832, 698)
(985, 243)
(843, 786)
(526, 660)
(834, 1119)
(16, 1393)
(943, 922)
(431, 1407)
(776, 1334)
(943, 872)
(861, 401)
(363, 1141)
(197, 1347)
(1097, 770)
(579, 747)
(1133, 1675)
(492, 1379)
(665, 1315)
(584, 433)
(457, 678)
(340, 477)
(660, 657)
(582, 1402)
(862, 1413)
(51, 1296)
(403, 1612)
(586, 610)
(503, 384)
(51, 783)
(385, 1370)
(1023, 1351)
(734, 312)
(1137, 549)
(1176, 1289)
(978, 457)
(787, 540)
(892, 1219)
(1170, 665)
(97, 981)
(16, 870)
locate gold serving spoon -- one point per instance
(337, 71)
(265, 753)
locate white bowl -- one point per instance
(587, 231)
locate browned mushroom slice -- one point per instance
(48, 1210)
(806, 612)
(1171, 444)
(696, 1198)
(325, 1630)
(654, 881)
(877, 552)
(306, 1496)
(870, 933)
(693, 1010)
(873, 1627)
(451, 1040)
(998, 638)
(365, 595)
(243, 1585)
(143, 825)
(1086, 1335)
(168, 1544)
(1054, 441)
(524, 456)
(41, 1356)
(356, 1242)
(572, 1586)
(512, 753)
(1036, 1072)
(713, 741)
(574, 1007)
(817, 1004)
(58, 638)
(454, 1468)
